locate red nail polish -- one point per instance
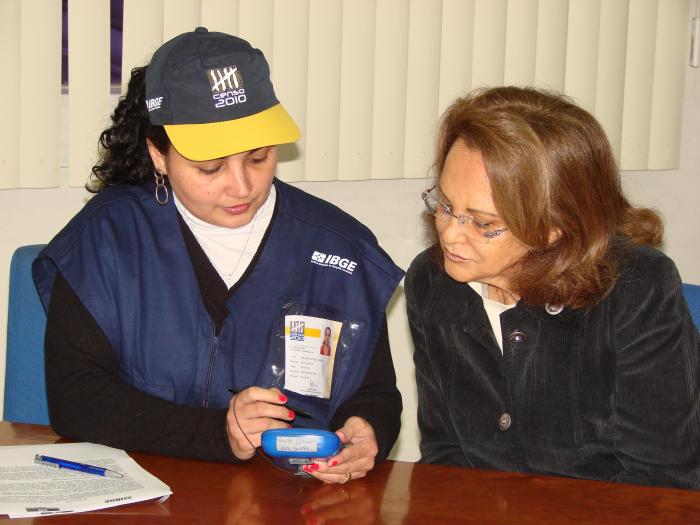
(313, 466)
(334, 463)
(283, 398)
(291, 415)
(289, 426)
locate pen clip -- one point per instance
(39, 460)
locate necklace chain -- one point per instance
(227, 275)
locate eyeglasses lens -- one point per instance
(443, 214)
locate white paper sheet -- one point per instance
(28, 489)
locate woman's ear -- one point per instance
(157, 157)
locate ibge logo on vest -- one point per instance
(227, 86)
(334, 261)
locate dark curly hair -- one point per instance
(124, 157)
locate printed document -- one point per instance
(28, 489)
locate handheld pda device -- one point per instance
(292, 448)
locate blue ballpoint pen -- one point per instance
(73, 465)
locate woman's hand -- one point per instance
(250, 413)
(354, 460)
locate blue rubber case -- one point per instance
(300, 443)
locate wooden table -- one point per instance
(393, 493)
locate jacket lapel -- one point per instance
(452, 303)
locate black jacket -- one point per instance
(609, 393)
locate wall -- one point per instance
(392, 210)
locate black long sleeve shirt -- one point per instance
(89, 401)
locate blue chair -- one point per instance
(25, 385)
(692, 297)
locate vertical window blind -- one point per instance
(366, 80)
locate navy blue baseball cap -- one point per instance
(213, 94)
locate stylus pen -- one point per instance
(48, 461)
(297, 411)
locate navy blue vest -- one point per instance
(124, 256)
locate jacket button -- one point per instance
(504, 421)
(553, 309)
(516, 337)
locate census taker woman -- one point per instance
(551, 336)
(194, 272)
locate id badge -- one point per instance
(310, 345)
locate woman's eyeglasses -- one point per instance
(474, 229)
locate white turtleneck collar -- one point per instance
(230, 250)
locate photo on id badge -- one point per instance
(310, 348)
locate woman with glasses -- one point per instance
(550, 334)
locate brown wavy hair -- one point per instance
(556, 185)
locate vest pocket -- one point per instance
(313, 356)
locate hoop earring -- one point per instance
(162, 195)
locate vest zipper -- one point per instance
(214, 349)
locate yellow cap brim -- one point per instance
(221, 139)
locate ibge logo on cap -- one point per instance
(154, 103)
(227, 86)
